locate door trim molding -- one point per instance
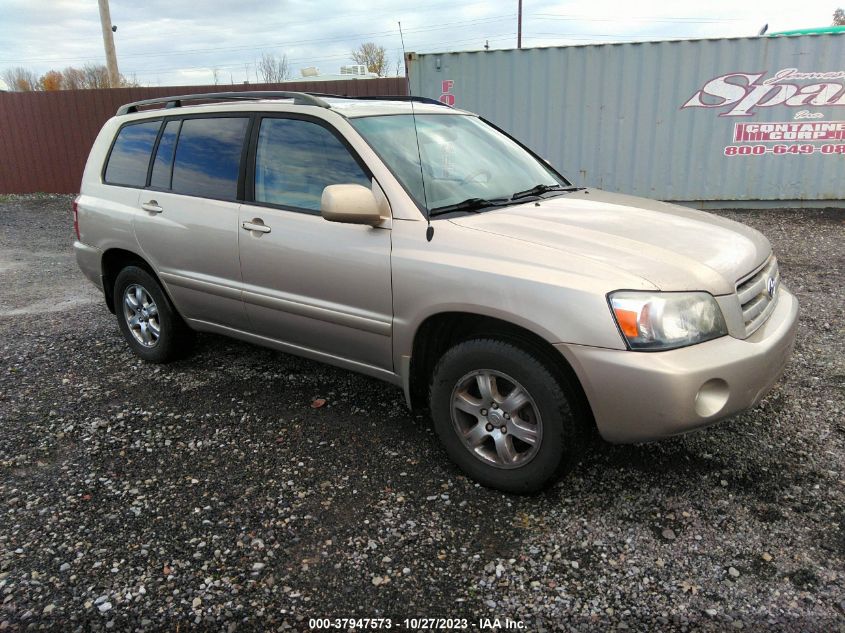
(296, 350)
(345, 319)
(319, 313)
(210, 287)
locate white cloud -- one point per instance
(167, 42)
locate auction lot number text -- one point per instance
(414, 624)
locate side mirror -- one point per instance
(352, 204)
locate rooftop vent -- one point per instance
(355, 69)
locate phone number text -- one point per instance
(784, 150)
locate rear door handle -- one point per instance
(151, 207)
(254, 226)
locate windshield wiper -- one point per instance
(541, 189)
(470, 204)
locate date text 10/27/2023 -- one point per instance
(416, 624)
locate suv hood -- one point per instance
(672, 247)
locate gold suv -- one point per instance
(419, 244)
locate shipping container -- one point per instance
(714, 122)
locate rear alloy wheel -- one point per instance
(505, 416)
(147, 319)
(141, 314)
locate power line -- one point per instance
(171, 69)
(441, 26)
(388, 37)
(576, 36)
(535, 35)
(639, 18)
(336, 16)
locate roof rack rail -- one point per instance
(381, 98)
(299, 98)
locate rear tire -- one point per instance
(147, 319)
(505, 416)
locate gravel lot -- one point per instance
(210, 492)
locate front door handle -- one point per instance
(152, 207)
(257, 225)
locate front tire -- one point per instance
(504, 416)
(147, 319)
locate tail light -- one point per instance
(75, 206)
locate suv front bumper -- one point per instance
(643, 396)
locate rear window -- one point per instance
(130, 154)
(208, 157)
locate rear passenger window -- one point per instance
(164, 156)
(295, 160)
(208, 156)
(130, 154)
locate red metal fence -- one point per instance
(45, 137)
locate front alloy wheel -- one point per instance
(496, 418)
(506, 414)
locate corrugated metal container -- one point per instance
(710, 122)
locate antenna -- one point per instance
(429, 231)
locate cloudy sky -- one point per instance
(173, 42)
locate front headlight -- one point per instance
(666, 320)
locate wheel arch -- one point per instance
(113, 261)
(441, 331)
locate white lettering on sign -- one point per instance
(742, 93)
(806, 114)
(789, 131)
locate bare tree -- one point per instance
(92, 76)
(95, 76)
(272, 69)
(73, 79)
(20, 79)
(839, 17)
(373, 56)
(215, 75)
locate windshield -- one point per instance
(463, 158)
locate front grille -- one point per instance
(758, 294)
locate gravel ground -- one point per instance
(211, 494)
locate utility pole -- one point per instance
(518, 26)
(108, 43)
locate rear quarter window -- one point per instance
(130, 154)
(163, 162)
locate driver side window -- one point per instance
(296, 159)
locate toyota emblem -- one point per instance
(770, 287)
